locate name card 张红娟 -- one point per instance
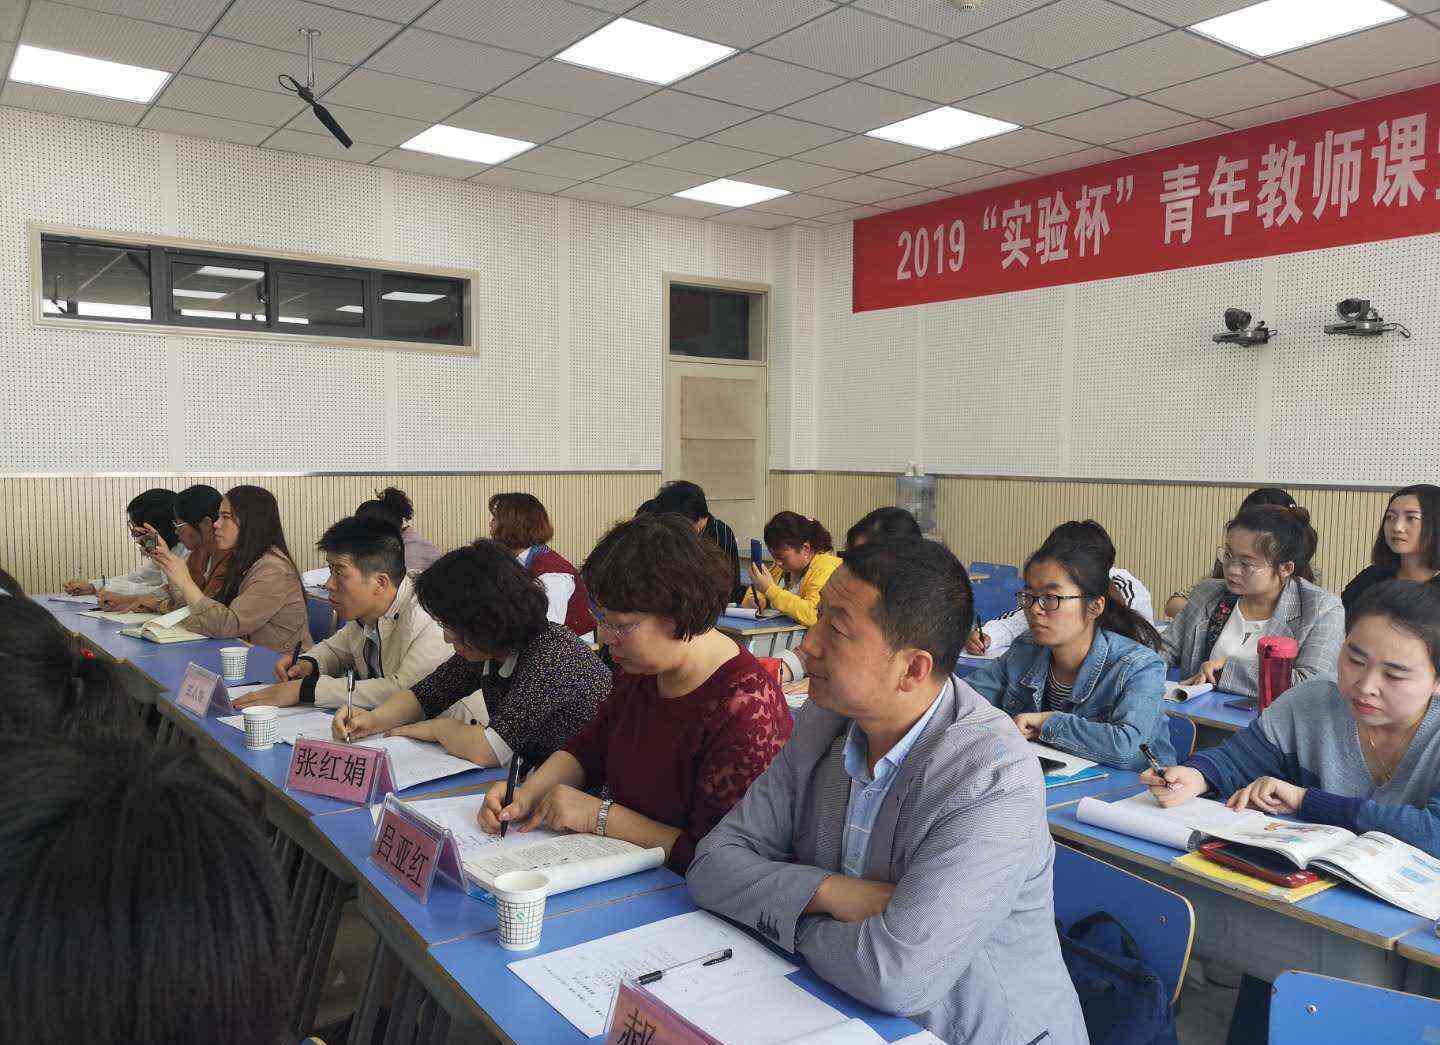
(345, 772)
(202, 691)
(412, 852)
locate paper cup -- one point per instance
(520, 900)
(260, 727)
(232, 662)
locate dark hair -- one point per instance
(391, 505)
(10, 585)
(521, 521)
(646, 507)
(483, 594)
(258, 517)
(1084, 550)
(791, 529)
(1406, 604)
(1285, 535)
(683, 498)
(658, 564)
(195, 503)
(1429, 497)
(1272, 495)
(882, 524)
(51, 686)
(155, 508)
(372, 545)
(925, 600)
(142, 895)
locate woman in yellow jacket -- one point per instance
(804, 560)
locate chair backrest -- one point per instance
(1307, 1009)
(995, 570)
(1182, 735)
(1162, 922)
(321, 617)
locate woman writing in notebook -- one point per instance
(1086, 678)
(1408, 544)
(1360, 752)
(804, 560)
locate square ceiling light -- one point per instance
(1283, 25)
(944, 128)
(75, 72)
(460, 144)
(643, 52)
(726, 193)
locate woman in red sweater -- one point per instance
(691, 719)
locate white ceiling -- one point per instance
(1089, 79)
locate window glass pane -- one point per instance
(88, 281)
(714, 324)
(311, 299)
(419, 309)
(230, 290)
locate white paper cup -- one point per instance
(261, 726)
(520, 900)
(232, 662)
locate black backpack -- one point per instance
(1123, 1000)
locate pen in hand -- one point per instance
(295, 656)
(510, 780)
(349, 701)
(1155, 766)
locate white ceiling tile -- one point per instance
(597, 193)
(756, 81)
(512, 119)
(954, 71)
(865, 188)
(1067, 31)
(915, 199)
(1394, 83)
(798, 205)
(182, 14)
(560, 85)
(249, 65)
(1188, 12)
(68, 103)
(344, 35)
(862, 153)
(850, 43)
(709, 158)
(1157, 62)
(449, 60)
(794, 175)
(397, 95)
(937, 170)
(1283, 110)
(1186, 132)
(1241, 88)
(619, 140)
(395, 10)
(1110, 123)
(986, 181)
(362, 125)
(564, 163)
(1017, 148)
(1074, 161)
(289, 140)
(941, 16)
(683, 208)
(756, 218)
(858, 107)
(213, 98)
(739, 23)
(1043, 97)
(777, 135)
(539, 27)
(643, 177)
(424, 163)
(853, 214)
(1375, 52)
(682, 114)
(60, 27)
(193, 125)
(523, 180)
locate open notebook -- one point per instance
(165, 629)
(1061, 767)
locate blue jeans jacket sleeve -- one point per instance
(991, 680)
(1136, 716)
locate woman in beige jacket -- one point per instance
(262, 601)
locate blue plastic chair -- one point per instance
(1307, 1009)
(321, 617)
(1182, 735)
(995, 570)
(1162, 922)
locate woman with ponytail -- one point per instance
(392, 505)
(1265, 559)
(804, 558)
(52, 686)
(1086, 678)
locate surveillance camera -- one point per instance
(1238, 332)
(1236, 319)
(1362, 320)
(1353, 308)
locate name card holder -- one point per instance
(412, 851)
(203, 693)
(637, 1017)
(345, 772)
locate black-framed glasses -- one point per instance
(1049, 602)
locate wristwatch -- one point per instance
(602, 816)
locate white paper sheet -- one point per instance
(290, 724)
(1179, 694)
(116, 617)
(417, 761)
(751, 613)
(772, 1012)
(315, 578)
(1070, 764)
(78, 600)
(1140, 816)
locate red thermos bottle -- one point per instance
(1277, 664)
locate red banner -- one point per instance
(1368, 171)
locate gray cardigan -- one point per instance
(1310, 615)
(967, 944)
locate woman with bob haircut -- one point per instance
(520, 522)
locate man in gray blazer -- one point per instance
(898, 842)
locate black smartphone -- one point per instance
(1242, 705)
(757, 551)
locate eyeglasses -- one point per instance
(617, 631)
(1049, 602)
(1227, 559)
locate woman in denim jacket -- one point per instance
(1087, 678)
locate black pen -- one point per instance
(1155, 765)
(294, 657)
(510, 779)
(710, 959)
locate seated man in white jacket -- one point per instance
(389, 641)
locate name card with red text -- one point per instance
(637, 1017)
(412, 851)
(202, 692)
(345, 772)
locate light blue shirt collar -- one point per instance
(857, 747)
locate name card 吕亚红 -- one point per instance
(637, 1017)
(412, 851)
(345, 772)
(203, 692)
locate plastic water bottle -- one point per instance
(1277, 655)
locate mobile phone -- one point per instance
(757, 551)
(1261, 863)
(149, 543)
(1242, 705)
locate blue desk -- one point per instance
(1208, 711)
(765, 638)
(478, 969)
(103, 635)
(166, 665)
(1069, 794)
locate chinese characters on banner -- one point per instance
(1368, 171)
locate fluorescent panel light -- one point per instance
(75, 72)
(460, 144)
(104, 310)
(644, 52)
(944, 128)
(1283, 25)
(351, 308)
(205, 313)
(208, 295)
(402, 295)
(294, 319)
(223, 272)
(726, 193)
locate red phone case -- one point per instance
(1218, 852)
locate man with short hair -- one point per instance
(683, 497)
(390, 642)
(899, 842)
